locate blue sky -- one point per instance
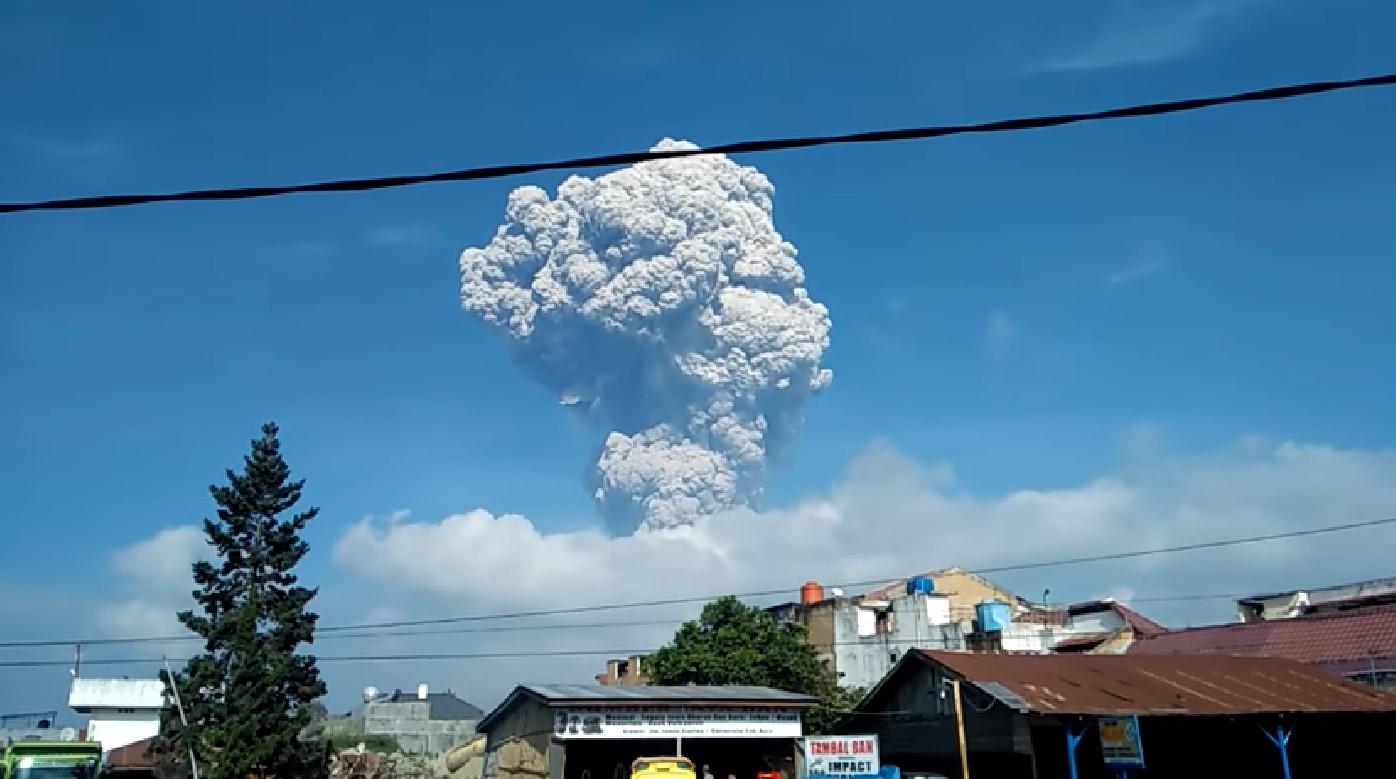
(1031, 308)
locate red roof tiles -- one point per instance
(1159, 685)
(1342, 641)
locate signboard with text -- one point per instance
(1119, 741)
(841, 756)
(657, 722)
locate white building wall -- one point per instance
(115, 729)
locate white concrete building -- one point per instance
(120, 711)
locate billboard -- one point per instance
(841, 756)
(1119, 741)
(675, 722)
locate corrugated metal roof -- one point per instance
(653, 695)
(1189, 685)
(603, 694)
(1359, 636)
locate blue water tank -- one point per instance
(920, 585)
(992, 615)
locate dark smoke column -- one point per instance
(660, 301)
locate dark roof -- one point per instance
(446, 706)
(441, 705)
(1340, 640)
(1172, 685)
(653, 695)
(132, 756)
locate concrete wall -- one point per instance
(518, 745)
(407, 722)
(114, 729)
(862, 661)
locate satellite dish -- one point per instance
(68, 734)
(370, 694)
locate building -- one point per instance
(119, 711)
(861, 638)
(31, 726)
(629, 671)
(1049, 716)
(1359, 644)
(1287, 605)
(421, 723)
(581, 731)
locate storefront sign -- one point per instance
(841, 756)
(1119, 741)
(677, 722)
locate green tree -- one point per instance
(733, 643)
(249, 695)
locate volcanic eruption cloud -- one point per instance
(660, 301)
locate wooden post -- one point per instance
(960, 730)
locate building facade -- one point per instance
(624, 672)
(420, 722)
(1296, 603)
(861, 638)
(119, 711)
(597, 731)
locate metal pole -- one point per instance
(1072, 741)
(680, 749)
(184, 721)
(960, 730)
(1280, 738)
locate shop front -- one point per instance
(597, 732)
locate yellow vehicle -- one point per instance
(662, 768)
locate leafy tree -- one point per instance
(249, 695)
(733, 643)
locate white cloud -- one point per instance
(68, 150)
(403, 236)
(1148, 33)
(162, 561)
(891, 516)
(1000, 332)
(155, 583)
(1137, 271)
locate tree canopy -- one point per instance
(733, 643)
(248, 696)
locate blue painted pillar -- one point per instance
(1073, 740)
(1280, 738)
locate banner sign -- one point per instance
(1119, 741)
(841, 756)
(675, 722)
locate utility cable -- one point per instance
(1109, 557)
(739, 147)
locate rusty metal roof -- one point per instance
(1343, 642)
(1178, 685)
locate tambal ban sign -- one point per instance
(841, 756)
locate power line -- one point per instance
(740, 147)
(1114, 556)
(871, 641)
(353, 658)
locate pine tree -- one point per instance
(247, 697)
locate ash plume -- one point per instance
(660, 301)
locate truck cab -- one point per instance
(51, 760)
